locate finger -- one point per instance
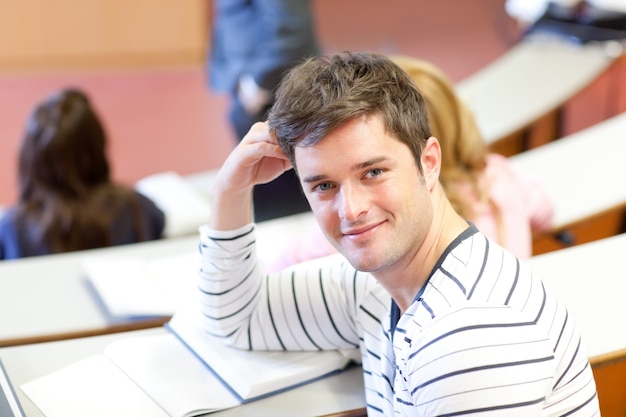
(262, 141)
(259, 132)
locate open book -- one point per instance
(134, 286)
(159, 375)
(130, 287)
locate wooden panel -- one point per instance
(46, 34)
(358, 412)
(509, 145)
(543, 130)
(602, 99)
(601, 226)
(611, 385)
(619, 85)
(116, 328)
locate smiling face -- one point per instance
(367, 194)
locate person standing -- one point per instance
(253, 43)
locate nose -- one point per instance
(353, 202)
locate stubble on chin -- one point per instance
(363, 261)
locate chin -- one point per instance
(362, 262)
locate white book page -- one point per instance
(171, 374)
(92, 387)
(185, 208)
(137, 287)
(253, 373)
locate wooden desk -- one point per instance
(591, 280)
(527, 85)
(337, 395)
(581, 173)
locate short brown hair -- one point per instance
(323, 93)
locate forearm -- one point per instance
(257, 159)
(230, 210)
(229, 280)
(305, 308)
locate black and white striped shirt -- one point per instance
(483, 337)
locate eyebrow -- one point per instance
(355, 167)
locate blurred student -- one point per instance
(504, 204)
(253, 43)
(595, 15)
(67, 200)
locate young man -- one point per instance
(447, 321)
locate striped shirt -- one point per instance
(483, 336)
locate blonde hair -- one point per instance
(464, 151)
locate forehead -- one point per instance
(355, 142)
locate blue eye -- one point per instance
(324, 186)
(375, 172)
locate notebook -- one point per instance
(182, 373)
(9, 403)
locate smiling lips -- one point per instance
(361, 232)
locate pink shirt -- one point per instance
(523, 204)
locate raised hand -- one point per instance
(257, 159)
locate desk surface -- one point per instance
(588, 278)
(533, 78)
(330, 395)
(49, 297)
(591, 280)
(581, 172)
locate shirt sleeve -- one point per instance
(309, 306)
(539, 204)
(521, 192)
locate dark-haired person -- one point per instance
(67, 200)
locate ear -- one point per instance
(431, 162)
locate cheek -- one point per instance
(324, 213)
(410, 196)
(390, 196)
